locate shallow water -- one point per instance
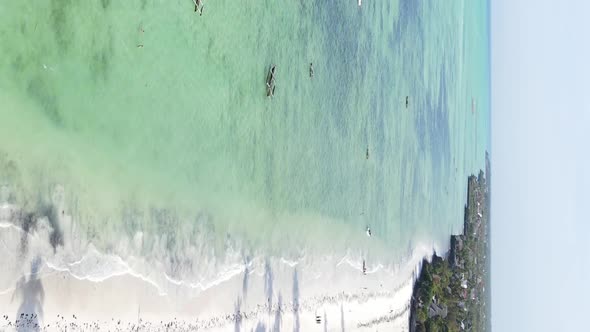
(147, 129)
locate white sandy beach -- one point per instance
(261, 295)
(134, 302)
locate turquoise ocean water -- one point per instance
(146, 122)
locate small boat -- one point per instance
(368, 231)
(270, 81)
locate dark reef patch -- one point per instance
(59, 14)
(56, 238)
(29, 222)
(100, 61)
(99, 64)
(105, 4)
(18, 64)
(131, 218)
(42, 93)
(347, 48)
(166, 224)
(432, 124)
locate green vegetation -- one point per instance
(453, 293)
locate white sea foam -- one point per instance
(146, 258)
(290, 263)
(97, 267)
(224, 275)
(372, 307)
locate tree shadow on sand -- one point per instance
(260, 327)
(342, 317)
(237, 315)
(278, 317)
(30, 312)
(246, 276)
(268, 281)
(297, 324)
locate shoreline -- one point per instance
(81, 303)
(453, 290)
(293, 293)
(262, 289)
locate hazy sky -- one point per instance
(540, 162)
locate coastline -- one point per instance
(263, 291)
(262, 294)
(288, 300)
(453, 290)
(73, 284)
(158, 185)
